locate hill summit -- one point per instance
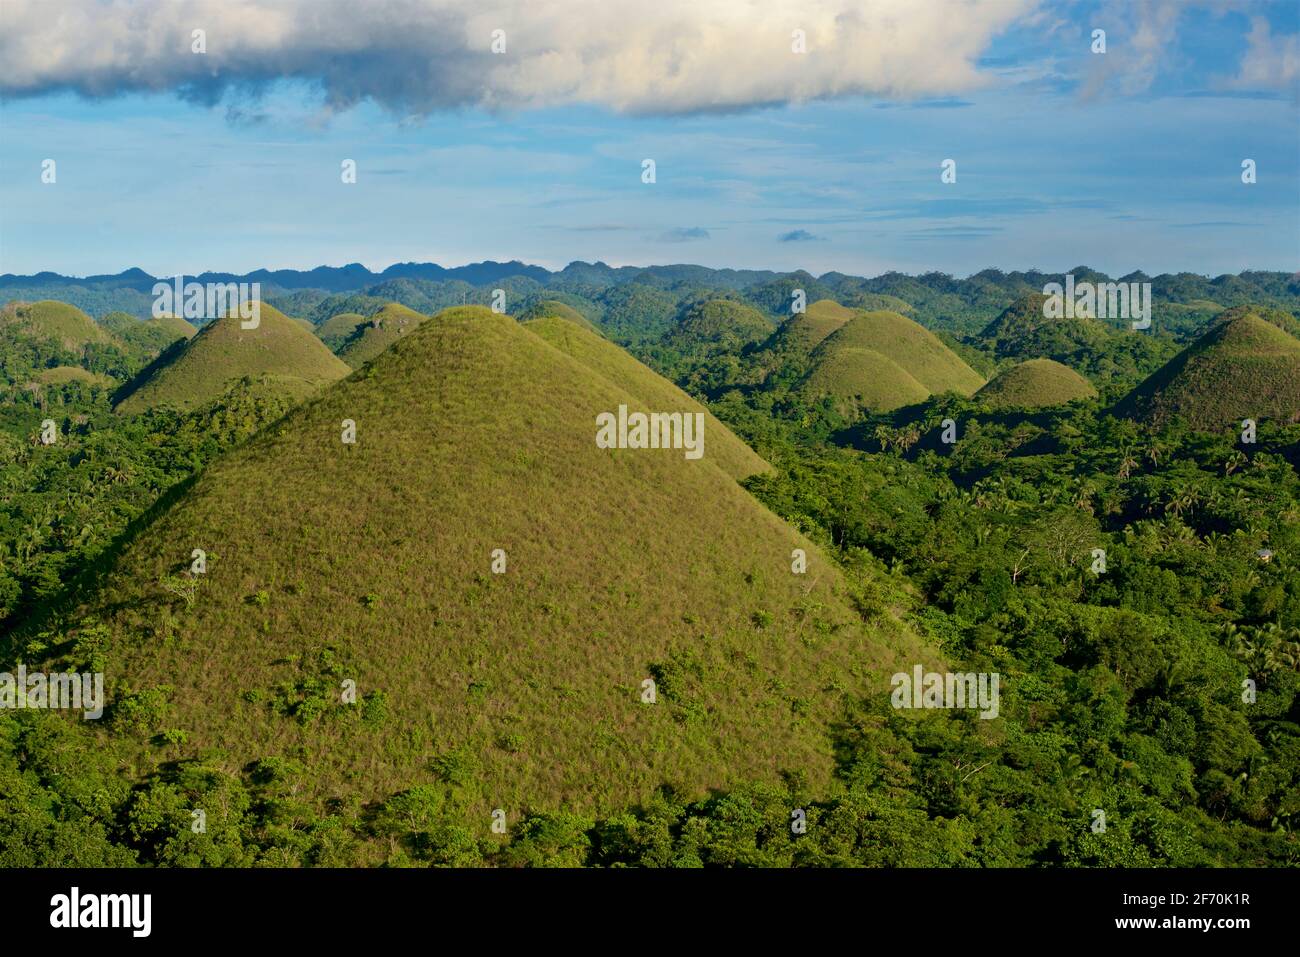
(280, 353)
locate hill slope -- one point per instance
(473, 434)
(1036, 383)
(149, 336)
(384, 327)
(862, 378)
(1244, 367)
(553, 307)
(53, 321)
(804, 331)
(653, 392)
(190, 373)
(909, 345)
(338, 329)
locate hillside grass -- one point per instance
(55, 321)
(338, 329)
(149, 336)
(381, 329)
(1036, 383)
(652, 391)
(560, 310)
(805, 331)
(909, 345)
(192, 373)
(1244, 367)
(858, 379)
(372, 562)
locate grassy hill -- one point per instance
(54, 321)
(1244, 367)
(384, 327)
(279, 353)
(553, 307)
(909, 345)
(804, 331)
(474, 433)
(862, 379)
(338, 329)
(1036, 383)
(718, 325)
(652, 392)
(61, 375)
(149, 336)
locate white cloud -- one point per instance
(1270, 63)
(420, 56)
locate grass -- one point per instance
(909, 345)
(279, 352)
(384, 327)
(372, 562)
(651, 392)
(1036, 383)
(804, 331)
(1243, 367)
(860, 379)
(61, 375)
(560, 310)
(150, 336)
(55, 321)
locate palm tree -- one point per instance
(1127, 462)
(1234, 461)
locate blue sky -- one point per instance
(1125, 160)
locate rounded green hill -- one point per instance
(1023, 332)
(1243, 368)
(384, 327)
(909, 345)
(717, 325)
(1036, 383)
(149, 336)
(804, 331)
(279, 353)
(54, 321)
(553, 307)
(858, 379)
